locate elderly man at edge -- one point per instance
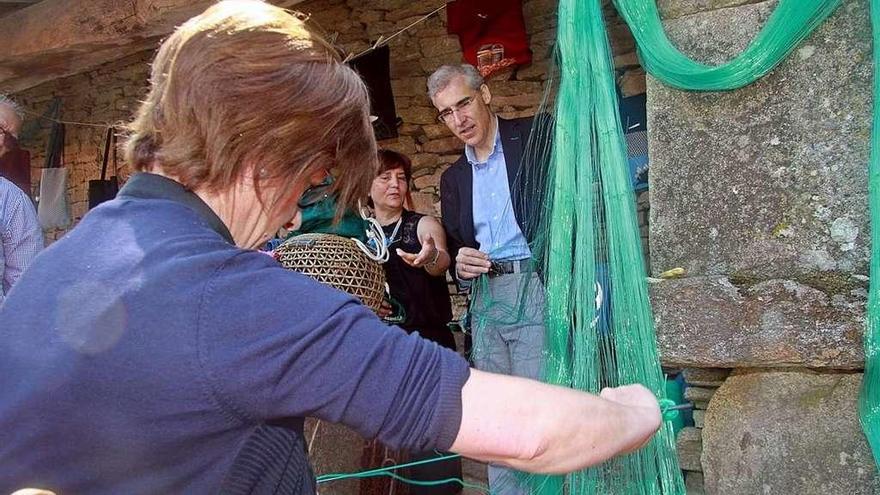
(20, 231)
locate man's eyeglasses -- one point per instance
(446, 115)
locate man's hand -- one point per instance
(471, 263)
(427, 255)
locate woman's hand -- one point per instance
(384, 309)
(427, 256)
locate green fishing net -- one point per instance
(869, 403)
(597, 318)
(790, 23)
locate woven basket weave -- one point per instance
(335, 261)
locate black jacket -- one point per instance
(526, 185)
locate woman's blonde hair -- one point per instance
(247, 84)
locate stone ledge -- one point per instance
(705, 377)
(689, 445)
(709, 322)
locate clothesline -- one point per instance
(382, 41)
(68, 122)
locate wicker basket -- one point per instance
(335, 261)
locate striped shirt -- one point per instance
(21, 236)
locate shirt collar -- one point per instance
(471, 154)
(152, 186)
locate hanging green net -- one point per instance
(597, 318)
(790, 23)
(869, 402)
(586, 248)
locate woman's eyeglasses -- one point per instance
(317, 193)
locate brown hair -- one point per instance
(247, 83)
(391, 160)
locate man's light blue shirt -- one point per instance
(495, 224)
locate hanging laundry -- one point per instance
(374, 68)
(492, 33)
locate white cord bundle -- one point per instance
(375, 237)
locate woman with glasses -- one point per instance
(152, 349)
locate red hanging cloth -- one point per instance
(492, 33)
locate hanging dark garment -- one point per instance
(105, 189)
(375, 69)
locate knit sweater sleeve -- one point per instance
(275, 344)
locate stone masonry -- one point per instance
(760, 194)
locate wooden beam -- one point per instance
(57, 38)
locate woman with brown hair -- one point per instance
(416, 276)
(417, 256)
(153, 350)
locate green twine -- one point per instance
(665, 406)
(325, 478)
(869, 402)
(388, 471)
(790, 23)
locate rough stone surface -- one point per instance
(699, 396)
(788, 433)
(705, 377)
(693, 483)
(670, 9)
(689, 445)
(710, 322)
(768, 181)
(699, 418)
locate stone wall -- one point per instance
(760, 194)
(107, 95)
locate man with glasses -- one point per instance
(20, 231)
(487, 203)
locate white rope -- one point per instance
(375, 237)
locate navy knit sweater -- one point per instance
(144, 353)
